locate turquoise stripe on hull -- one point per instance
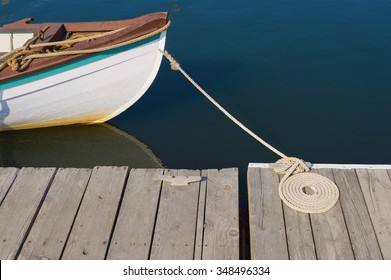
(74, 64)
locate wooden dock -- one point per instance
(122, 213)
(117, 213)
(357, 227)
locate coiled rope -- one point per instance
(300, 190)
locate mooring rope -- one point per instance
(176, 66)
(300, 190)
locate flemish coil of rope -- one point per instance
(299, 189)
(304, 191)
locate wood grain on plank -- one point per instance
(49, 233)
(199, 237)
(221, 231)
(93, 226)
(358, 221)
(20, 206)
(331, 236)
(134, 230)
(7, 177)
(376, 187)
(175, 229)
(267, 227)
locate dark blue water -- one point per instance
(311, 77)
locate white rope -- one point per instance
(300, 190)
(306, 192)
(176, 66)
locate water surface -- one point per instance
(310, 77)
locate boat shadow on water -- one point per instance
(81, 146)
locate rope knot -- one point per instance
(288, 163)
(173, 63)
(305, 191)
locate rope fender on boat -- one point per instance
(20, 58)
(299, 189)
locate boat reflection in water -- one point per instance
(75, 146)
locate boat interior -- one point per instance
(10, 40)
(24, 32)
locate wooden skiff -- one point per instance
(66, 73)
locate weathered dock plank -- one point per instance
(330, 232)
(116, 213)
(267, 227)
(7, 176)
(94, 222)
(376, 187)
(358, 221)
(299, 235)
(176, 219)
(221, 226)
(20, 206)
(357, 227)
(51, 228)
(135, 224)
(199, 238)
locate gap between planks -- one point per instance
(84, 214)
(358, 227)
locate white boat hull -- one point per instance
(90, 93)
